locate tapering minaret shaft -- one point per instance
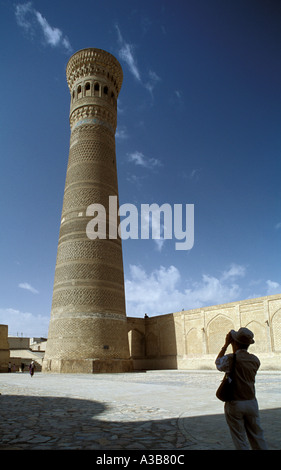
(88, 329)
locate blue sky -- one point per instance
(199, 118)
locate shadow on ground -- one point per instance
(36, 422)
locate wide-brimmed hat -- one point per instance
(243, 336)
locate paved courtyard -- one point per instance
(153, 410)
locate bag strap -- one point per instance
(233, 366)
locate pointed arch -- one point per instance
(88, 89)
(217, 330)
(193, 341)
(261, 338)
(276, 331)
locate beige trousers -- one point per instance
(243, 420)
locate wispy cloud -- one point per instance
(153, 79)
(32, 21)
(234, 271)
(178, 94)
(126, 53)
(22, 12)
(26, 286)
(194, 174)
(156, 225)
(121, 133)
(273, 287)
(139, 159)
(177, 99)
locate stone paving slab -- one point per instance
(154, 410)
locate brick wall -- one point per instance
(191, 339)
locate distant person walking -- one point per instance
(31, 368)
(242, 413)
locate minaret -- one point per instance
(88, 325)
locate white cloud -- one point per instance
(126, 53)
(273, 287)
(22, 11)
(159, 242)
(159, 292)
(66, 44)
(147, 220)
(53, 36)
(30, 19)
(121, 133)
(194, 174)
(136, 180)
(178, 94)
(26, 286)
(152, 82)
(139, 159)
(234, 270)
(177, 99)
(24, 323)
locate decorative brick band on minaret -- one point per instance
(88, 325)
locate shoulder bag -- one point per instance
(225, 390)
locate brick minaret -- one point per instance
(88, 325)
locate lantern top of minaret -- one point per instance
(92, 61)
